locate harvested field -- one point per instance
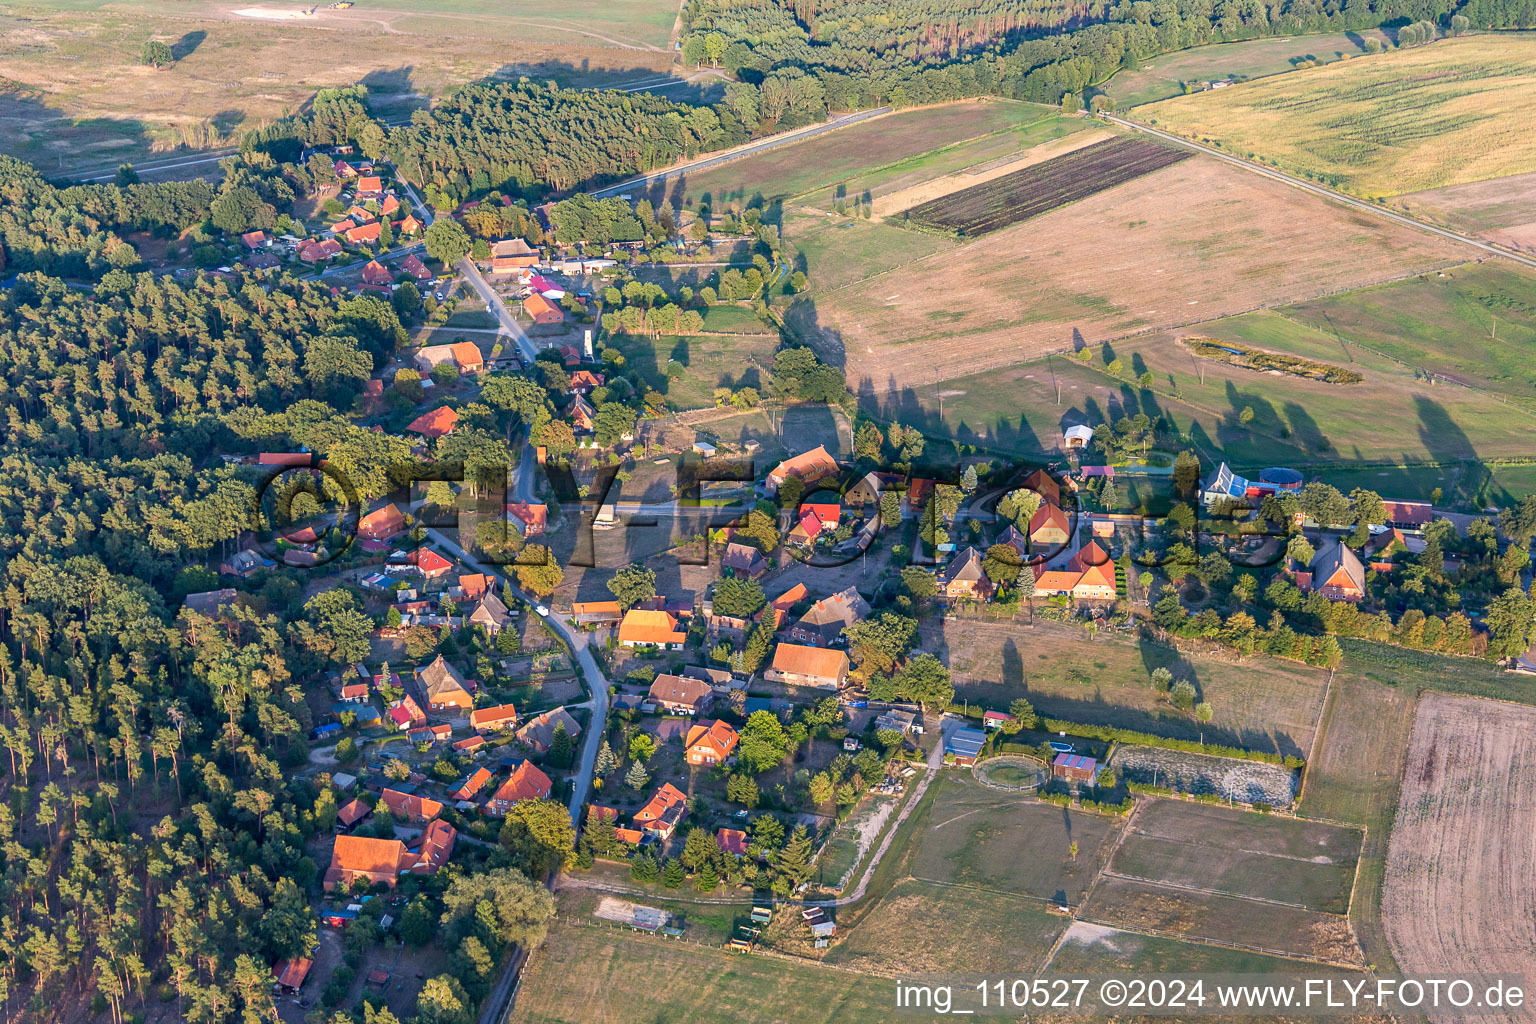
(1010, 843)
(1201, 774)
(1239, 853)
(1502, 210)
(1404, 121)
(1461, 870)
(1188, 914)
(1192, 242)
(923, 927)
(1260, 703)
(585, 973)
(1090, 948)
(904, 199)
(1037, 189)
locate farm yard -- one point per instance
(1165, 76)
(1461, 870)
(1191, 242)
(1260, 704)
(1031, 191)
(1404, 121)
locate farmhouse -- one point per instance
(493, 719)
(1043, 484)
(662, 812)
(462, 354)
(679, 695)
(709, 743)
(542, 310)
(318, 252)
(810, 467)
(528, 519)
(444, 687)
(382, 523)
(1336, 573)
(417, 269)
(437, 423)
(511, 254)
(364, 234)
(1048, 527)
(583, 416)
(429, 563)
(642, 628)
(595, 613)
(491, 613)
(964, 579)
(823, 623)
(409, 806)
(376, 273)
(796, 665)
(372, 860)
(525, 783)
(583, 381)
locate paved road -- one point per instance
(772, 142)
(1321, 190)
(211, 156)
(597, 683)
(493, 302)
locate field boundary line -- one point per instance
(1027, 897)
(1317, 738)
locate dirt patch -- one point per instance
(1521, 236)
(1189, 243)
(1460, 878)
(886, 205)
(1203, 774)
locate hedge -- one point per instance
(1065, 800)
(1115, 734)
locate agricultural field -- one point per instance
(1003, 842)
(1459, 878)
(1240, 853)
(76, 100)
(1032, 191)
(1188, 243)
(848, 153)
(582, 967)
(921, 927)
(706, 362)
(1209, 917)
(1474, 324)
(1260, 703)
(1093, 948)
(1499, 209)
(1165, 76)
(838, 252)
(1422, 118)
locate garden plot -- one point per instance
(1201, 774)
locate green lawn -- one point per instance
(722, 319)
(706, 363)
(1164, 76)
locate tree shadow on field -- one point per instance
(188, 44)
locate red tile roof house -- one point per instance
(469, 744)
(525, 783)
(364, 234)
(382, 523)
(342, 226)
(467, 355)
(650, 629)
(795, 665)
(351, 813)
(732, 841)
(377, 273)
(500, 718)
(254, 240)
(583, 381)
(431, 733)
(406, 713)
(362, 857)
(429, 563)
(811, 467)
(529, 520)
(661, 814)
(709, 743)
(1048, 526)
(343, 170)
(290, 975)
(473, 585)
(318, 252)
(1096, 579)
(417, 269)
(472, 786)
(388, 206)
(370, 186)
(583, 416)
(408, 226)
(542, 310)
(596, 613)
(1336, 573)
(409, 806)
(679, 695)
(434, 424)
(353, 693)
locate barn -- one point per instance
(1075, 767)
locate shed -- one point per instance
(965, 744)
(1079, 767)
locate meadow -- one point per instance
(708, 361)
(1164, 76)
(1260, 703)
(1498, 209)
(1186, 244)
(1090, 948)
(1446, 113)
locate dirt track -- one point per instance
(1461, 871)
